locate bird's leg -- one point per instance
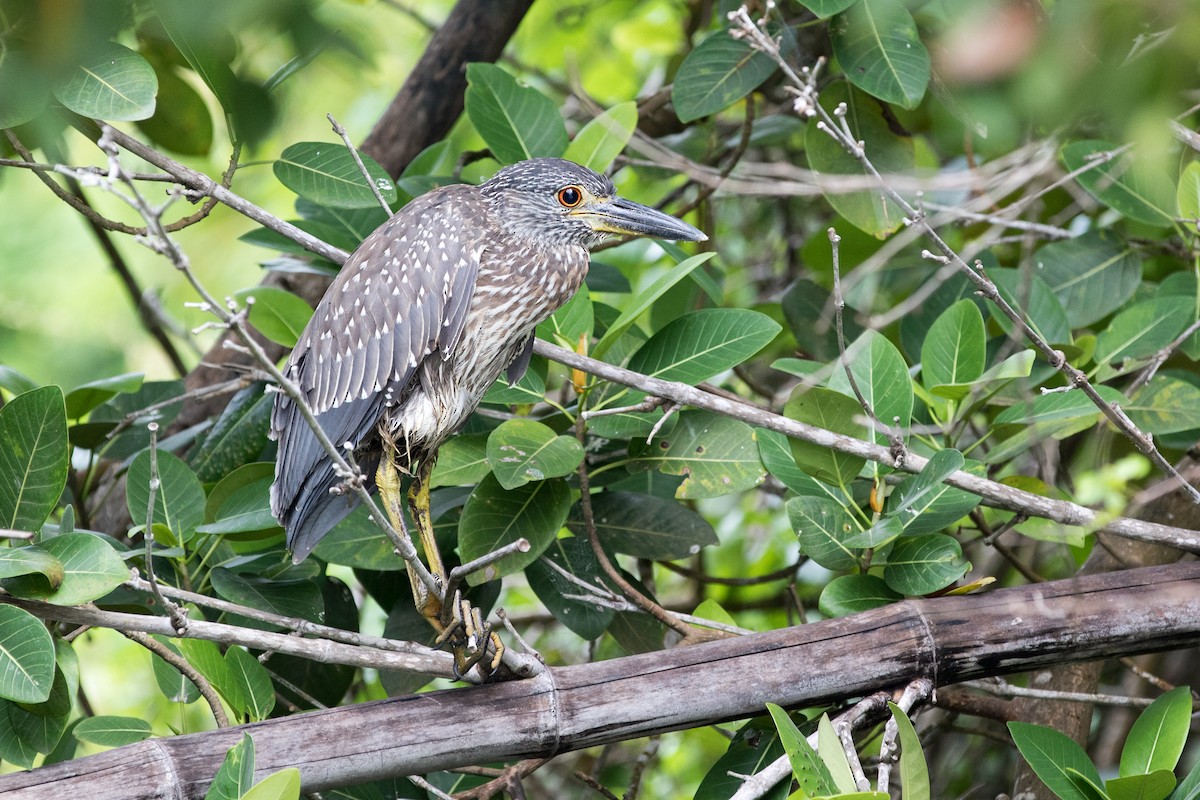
(457, 622)
(387, 479)
(418, 503)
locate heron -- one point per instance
(422, 319)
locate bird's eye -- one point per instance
(570, 196)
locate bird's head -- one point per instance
(552, 201)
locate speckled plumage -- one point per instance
(422, 318)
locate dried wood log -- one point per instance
(946, 639)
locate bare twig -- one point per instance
(421, 660)
(362, 168)
(834, 126)
(187, 670)
(993, 493)
(585, 503)
(174, 613)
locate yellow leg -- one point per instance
(418, 502)
(387, 479)
(459, 626)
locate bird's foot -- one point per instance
(469, 637)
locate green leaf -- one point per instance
(1051, 754)
(524, 450)
(574, 555)
(1134, 189)
(1144, 328)
(924, 503)
(918, 565)
(914, 772)
(1189, 787)
(207, 45)
(253, 683)
(26, 657)
(358, 542)
(462, 461)
(884, 530)
(1187, 195)
(327, 174)
(716, 455)
(282, 785)
(646, 299)
(850, 594)
(880, 51)
(829, 748)
(570, 322)
(1031, 297)
(181, 122)
(16, 561)
(171, 682)
(1165, 405)
(1056, 415)
(276, 313)
(810, 771)
(531, 388)
(646, 527)
(775, 451)
(236, 774)
(1156, 785)
(1018, 365)
(868, 210)
(882, 378)
(600, 141)
(34, 731)
(237, 437)
(494, 517)
(15, 382)
(113, 83)
(179, 500)
(955, 349)
(240, 503)
(827, 8)
(33, 457)
(832, 411)
(517, 122)
(110, 731)
(716, 74)
(1092, 275)
(83, 399)
(1156, 739)
(702, 344)
(289, 598)
(26, 94)
(755, 745)
(91, 569)
(821, 524)
(205, 656)
(135, 404)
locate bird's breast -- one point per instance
(515, 292)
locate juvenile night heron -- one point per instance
(421, 320)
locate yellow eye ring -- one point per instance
(570, 196)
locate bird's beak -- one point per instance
(627, 218)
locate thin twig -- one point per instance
(428, 662)
(833, 126)
(1002, 688)
(589, 522)
(178, 619)
(187, 670)
(993, 493)
(362, 168)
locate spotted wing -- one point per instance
(402, 297)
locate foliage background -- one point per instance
(1107, 70)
